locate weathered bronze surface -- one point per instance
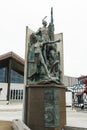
(51, 105)
(43, 60)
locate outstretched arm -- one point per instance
(51, 42)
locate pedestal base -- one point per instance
(45, 107)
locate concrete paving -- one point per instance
(75, 117)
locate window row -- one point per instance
(15, 76)
(16, 94)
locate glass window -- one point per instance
(16, 77)
(3, 75)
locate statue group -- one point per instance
(43, 57)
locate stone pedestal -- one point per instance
(44, 107)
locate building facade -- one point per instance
(70, 81)
(11, 77)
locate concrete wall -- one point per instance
(17, 86)
(68, 99)
(4, 86)
(3, 93)
(60, 49)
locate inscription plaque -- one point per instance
(51, 105)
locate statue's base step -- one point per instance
(6, 125)
(73, 128)
(13, 125)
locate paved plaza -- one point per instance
(75, 117)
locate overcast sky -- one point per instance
(70, 18)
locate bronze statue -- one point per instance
(43, 57)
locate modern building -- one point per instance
(70, 81)
(11, 77)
